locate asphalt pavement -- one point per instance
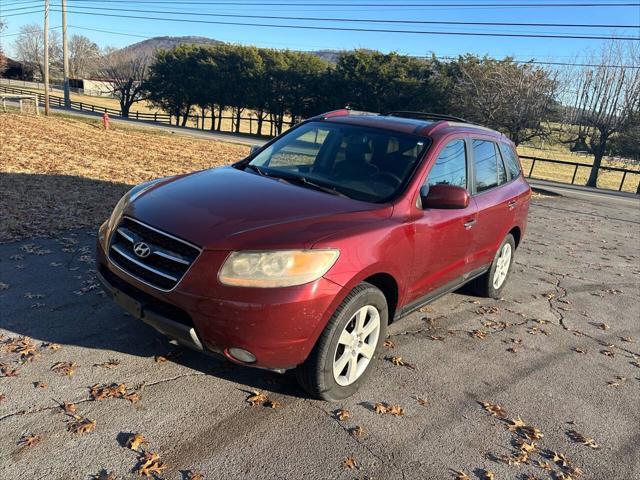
(561, 351)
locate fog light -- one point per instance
(241, 355)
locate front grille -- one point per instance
(168, 258)
(149, 302)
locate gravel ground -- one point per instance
(560, 351)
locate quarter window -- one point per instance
(451, 166)
(510, 160)
(486, 164)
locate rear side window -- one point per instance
(451, 166)
(510, 160)
(485, 160)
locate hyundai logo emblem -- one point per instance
(142, 250)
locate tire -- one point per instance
(316, 374)
(484, 285)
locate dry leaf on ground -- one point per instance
(81, 425)
(29, 440)
(349, 463)
(150, 465)
(64, 368)
(494, 410)
(342, 415)
(135, 441)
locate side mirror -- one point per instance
(255, 148)
(444, 197)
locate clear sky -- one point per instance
(130, 30)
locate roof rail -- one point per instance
(426, 116)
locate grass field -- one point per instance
(58, 173)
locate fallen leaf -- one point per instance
(389, 344)
(488, 475)
(618, 382)
(257, 398)
(357, 431)
(607, 353)
(191, 475)
(380, 408)
(272, 404)
(494, 410)
(422, 401)
(51, 346)
(342, 415)
(133, 397)
(627, 339)
(29, 440)
(150, 465)
(2, 397)
(349, 463)
(580, 438)
(101, 392)
(64, 368)
(111, 363)
(104, 475)
(81, 426)
(396, 410)
(135, 441)
(398, 361)
(159, 359)
(479, 334)
(579, 350)
(460, 475)
(68, 407)
(516, 424)
(41, 385)
(603, 326)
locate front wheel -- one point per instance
(341, 359)
(493, 282)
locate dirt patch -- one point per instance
(59, 173)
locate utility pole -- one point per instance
(46, 57)
(65, 55)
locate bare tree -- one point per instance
(83, 56)
(3, 57)
(29, 48)
(602, 100)
(518, 100)
(126, 72)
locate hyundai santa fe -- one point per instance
(300, 255)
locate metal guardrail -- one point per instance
(578, 165)
(198, 121)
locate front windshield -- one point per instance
(361, 163)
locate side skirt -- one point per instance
(439, 292)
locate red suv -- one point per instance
(300, 255)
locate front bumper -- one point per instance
(278, 326)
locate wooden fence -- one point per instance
(625, 173)
(196, 122)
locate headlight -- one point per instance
(281, 268)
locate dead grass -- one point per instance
(60, 173)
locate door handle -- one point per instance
(469, 223)
(512, 204)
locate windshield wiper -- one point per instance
(256, 169)
(300, 180)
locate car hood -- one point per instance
(230, 209)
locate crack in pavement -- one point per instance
(358, 441)
(85, 400)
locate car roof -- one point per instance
(406, 124)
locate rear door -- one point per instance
(493, 199)
(443, 237)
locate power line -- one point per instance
(16, 34)
(361, 20)
(353, 29)
(388, 5)
(23, 13)
(449, 58)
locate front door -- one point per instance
(443, 237)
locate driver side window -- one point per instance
(450, 167)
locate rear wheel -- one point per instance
(493, 282)
(341, 359)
